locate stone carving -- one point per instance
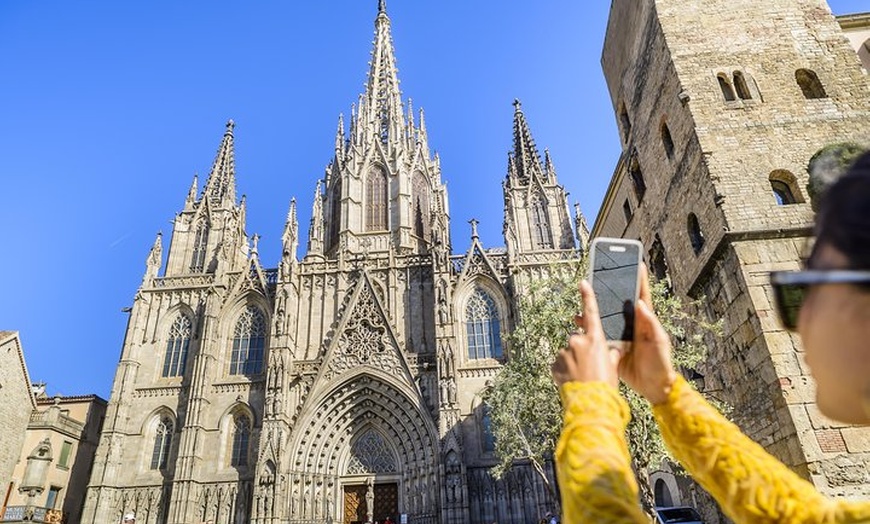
(370, 454)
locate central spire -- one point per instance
(381, 105)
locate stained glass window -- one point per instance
(241, 438)
(176, 347)
(482, 326)
(249, 343)
(376, 200)
(200, 248)
(162, 443)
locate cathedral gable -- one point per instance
(476, 264)
(364, 339)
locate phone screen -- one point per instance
(615, 281)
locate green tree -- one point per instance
(525, 411)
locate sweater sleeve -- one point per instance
(592, 460)
(749, 484)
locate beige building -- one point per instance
(16, 403)
(720, 107)
(342, 387)
(857, 29)
(51, 476)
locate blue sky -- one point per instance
(109, 108)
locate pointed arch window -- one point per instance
(376, 199)
(482, 326)
(200, 247)
(162, 443)
(696, 238)
(241, 440)
(249, 342)
(725, 86)
(370, 454)
(810, 84)
(335, 212)
(420, 192)
(541, 224)
(176, 347)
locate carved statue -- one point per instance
(370, 499)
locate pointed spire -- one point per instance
(191, 194)
(528, 160)
(339, 138)
(221, 183)
(382, 109)
(549, 168)
(581, 228)
(155, 258)
(315, 230)
(291, 227)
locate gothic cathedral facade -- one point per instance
(345, 386)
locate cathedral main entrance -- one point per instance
(384, 497)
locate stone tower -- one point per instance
(345, 386)
(720, 106)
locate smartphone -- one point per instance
(615, 277)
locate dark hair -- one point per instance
(844, 217)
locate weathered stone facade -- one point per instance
(16, 403)
(345, 386)
(720, 107)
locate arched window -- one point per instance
(636, 175)
(241, 439)
(249, 341)
(487, 437)
(663, 494)
(482, 326)
(541, 224)
(741, 86)
(864, 54)
(725, 86)
(200, 247)
(176, 347)
(810, 84)
(162, 443)
(624, 122)
(334, 212)
(695, 235)
(420, 196)
(376, 200)
(785, 188)
(658, 265)
(667, 141)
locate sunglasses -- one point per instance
(790, 288)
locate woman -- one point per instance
(829, 305)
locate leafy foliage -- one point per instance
(524, 404)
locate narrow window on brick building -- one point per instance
(624, 122)
(785, 188)
(636, 175)
(376, 200)
(810, 84)
(667, 140)
(626, 209)
(695, 236)
(658, 265)
(725, 86)
(741, 86)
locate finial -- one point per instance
(518, 106)
(255, 240)
(382, 6)
(230, 125)
(474, 223)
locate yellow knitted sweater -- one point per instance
(597, 484)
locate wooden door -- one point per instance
(355, 504)
(386, 502)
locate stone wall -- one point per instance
(16, 403)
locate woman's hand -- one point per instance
(587, 357)
(647, 367)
